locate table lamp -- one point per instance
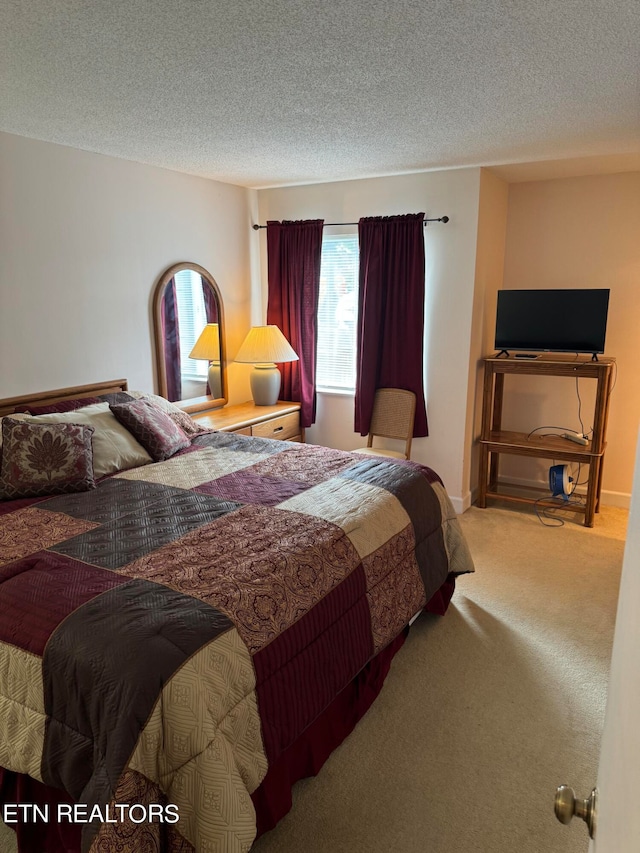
(207, 348)
(264, 347)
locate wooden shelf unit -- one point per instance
(494, 440)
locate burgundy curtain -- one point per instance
(293, 257)
(210, 303)
(390, 313)
(211, 310)
(171, 337)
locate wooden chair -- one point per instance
(393, 415)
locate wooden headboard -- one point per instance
(9, 404)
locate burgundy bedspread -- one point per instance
(166, 637)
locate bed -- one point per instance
(190, 621)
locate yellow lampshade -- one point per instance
(265, 345)
(207, 346)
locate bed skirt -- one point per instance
(272, 799)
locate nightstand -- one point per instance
(281, 421)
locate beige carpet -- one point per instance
(485, 711)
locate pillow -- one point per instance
(177, 415)
(116, 397)
(186, 423)
(60, 406)
(114, 448)
(77, 403)
(45, 459)
(153, 428)
(18, 417)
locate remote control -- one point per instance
(573, 436)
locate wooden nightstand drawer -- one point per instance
(243, 431)
(284, 427)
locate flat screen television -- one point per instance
(552, 320)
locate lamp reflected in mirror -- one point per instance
(207, 348)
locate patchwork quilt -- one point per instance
(166, 636)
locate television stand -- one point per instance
(507, 354)
(495, 441)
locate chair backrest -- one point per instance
(394, 411)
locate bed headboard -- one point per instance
(9, 404)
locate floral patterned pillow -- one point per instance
(187, 424)
(152, 427)
(45, 459)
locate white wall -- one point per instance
(83, 239)
(579, 233)
(618, 816)
(492, 232)
(450, 259)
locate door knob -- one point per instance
(567, 805)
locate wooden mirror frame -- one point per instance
(205, 402)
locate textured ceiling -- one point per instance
(288, 91)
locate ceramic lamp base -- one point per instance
(265, 384)
(215, 379)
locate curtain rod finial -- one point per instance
(444, 219)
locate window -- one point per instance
(337, 314)
(193, 319)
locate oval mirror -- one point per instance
(189, 336)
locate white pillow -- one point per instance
(114, 448)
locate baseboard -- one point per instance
(607, 497)
(619, 499)
(461, 504)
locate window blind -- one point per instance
(337, 314)
(193, 319)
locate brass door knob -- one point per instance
(567, 805)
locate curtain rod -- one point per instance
(444, 219)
